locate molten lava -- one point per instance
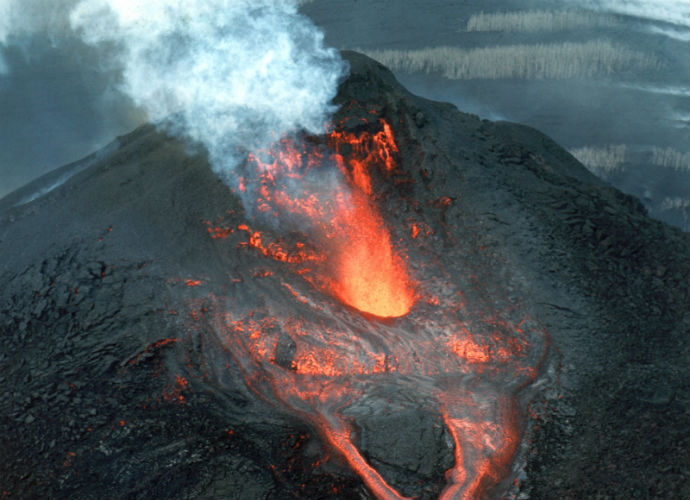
(365, 271)
(370, 277)
(453, 350)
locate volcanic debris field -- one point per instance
(166, 336)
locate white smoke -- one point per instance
(20, 18)
(4, 30)
(229, 74)
(4, 21)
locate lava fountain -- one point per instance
(418, 329)
(366, 273)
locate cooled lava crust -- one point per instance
(170, 335)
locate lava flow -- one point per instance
(450, 349)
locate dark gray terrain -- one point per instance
(115, 383)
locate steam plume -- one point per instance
(230, 74)
(20, 18)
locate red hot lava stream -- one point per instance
(436, 350)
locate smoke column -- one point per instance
(232, 75)
(4, 29)
(20, 19)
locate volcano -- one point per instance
(414, 304)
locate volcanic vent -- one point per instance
(364, 303)
(336, 208)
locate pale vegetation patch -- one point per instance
(676, 203)
(610, 158)
(601, 160)
(671, 158)
(538, 20)
(565, 60)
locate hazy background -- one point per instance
(607, 79)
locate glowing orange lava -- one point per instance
(365, 271)
(461, 352)
(370, 277)
(340, 440)
(333, 366)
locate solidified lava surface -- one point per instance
(415, 303)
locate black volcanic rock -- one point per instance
(113, 385)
